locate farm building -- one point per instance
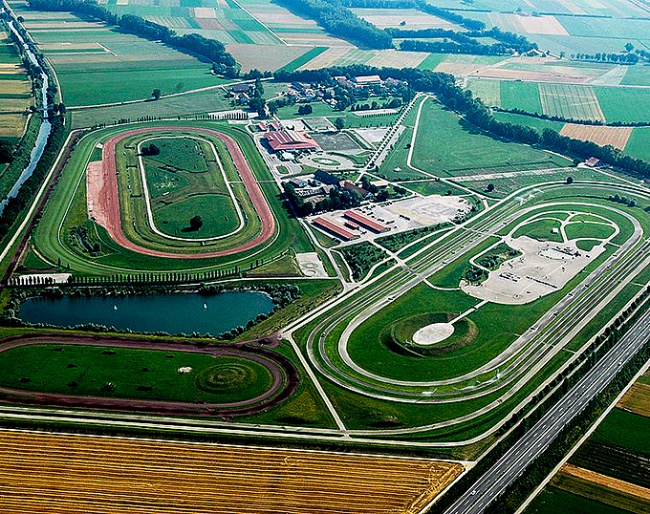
(592, 162)
(351, 186)
(365, 222)
(242, 88)
(335, 229)
(327, 178)
(367, 80)
(291, 141)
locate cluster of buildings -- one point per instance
(353, 224)
(323, 182)
(242, 93)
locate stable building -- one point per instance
(291, 141)
(365, 222)
(334, 229)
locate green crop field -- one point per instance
(529, 121)
(628, 105)
(626, 430)
(639, 144)
(487, 90)
(97, 64)
(448, 146)
(553, 500)
(521, 95)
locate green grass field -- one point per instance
(627, 105)
(449, 146)
(487, 90)
(134, 373)
(625, 429)
(68, 210)
(521, 95)
(639, 144)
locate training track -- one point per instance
(285, 376)
(107, 197)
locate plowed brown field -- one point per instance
(60, 473)
(615, 136)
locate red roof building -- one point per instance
(291, 141)
(334, 228)
(365, 222)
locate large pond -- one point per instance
(173, 313)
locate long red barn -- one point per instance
(335, 229)
(365, 222)
(290, 140)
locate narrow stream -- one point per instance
(43, 132)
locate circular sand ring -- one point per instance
(433, 334)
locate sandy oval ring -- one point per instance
(433, 334)
(108, 206)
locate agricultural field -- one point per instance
(170, 477)
(609, 471)
(96, 64)
(15, 90)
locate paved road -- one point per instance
(537, 439)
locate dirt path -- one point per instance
(107, 204)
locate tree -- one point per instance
(155, 94)
(339, 123)
(629, 47)
(569, 180)
(490, 188)
(305, 109)
(150, 150)
(6, 151)
(196, 223)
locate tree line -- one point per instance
(340, 21)
(210, 49)
(443, 86)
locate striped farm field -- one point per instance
(98, 475)
(570, 101)
(601, 135)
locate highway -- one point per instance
(506, 470)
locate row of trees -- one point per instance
(210, 49)
(444, 87)
(338, 20)
(580, 121)
(463, 42)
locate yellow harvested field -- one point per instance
(60, 473)
(615, 136)
(609, 482)
(637, 400)
(396, 59)
(12, 125)
(412, 19)
(326, 59)
(548, 25)
(15, 87)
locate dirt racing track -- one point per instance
(105, 198)
(285, 377)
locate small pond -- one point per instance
(172, 313)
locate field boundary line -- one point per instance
(261, 23)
